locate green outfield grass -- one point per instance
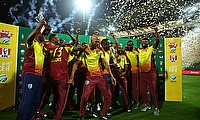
(188, 109)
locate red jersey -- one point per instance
(59, 68)
(48, 47)
(29, 64)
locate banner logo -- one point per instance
(3, 78)
(172, 46)
(173, 58)
(5, 36)
(4, 53)
(173, 77)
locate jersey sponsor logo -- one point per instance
(30, 86)
(4, 53)
(172, 45)
(87, 82)
(173, 58)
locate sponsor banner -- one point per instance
(191, 72)
(8, 64)
(173, 85)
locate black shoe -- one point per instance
(95, 115)
(80, 118)
(109, 114)
(128, 110)
(114, 107)
(37, 116)
(118, 104)
(104, 117)
(52, 110)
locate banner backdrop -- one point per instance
(8, 62)
(173, 58)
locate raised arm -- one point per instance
(77, 33)
(33, 34)
(155, 45)
(73, 39)
(78, 48)
(115, 40)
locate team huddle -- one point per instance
(98, 71)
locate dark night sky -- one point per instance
(4, 8)
(135, 14)
(64, 7)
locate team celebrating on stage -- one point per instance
(98, 71)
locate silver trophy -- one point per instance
(39, 17)
(45, 30)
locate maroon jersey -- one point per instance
(48, 47)
(29, 64)
(58, 68)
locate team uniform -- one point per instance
(106, 73)
(70, 62)
(133, 61)
(121, 61)
(60, 76)
(148, 74)
(31, 81)
(95, 77)
(98, 95)
(47, 82)
(80, 77)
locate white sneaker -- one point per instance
(88, 106)
(156, 111)
(146, 108)
(98, 106)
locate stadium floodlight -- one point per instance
(84, 5)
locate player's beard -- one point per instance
(106, 48)
(119, 52)
(94, 46)
(144, 46)
(129, 48)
